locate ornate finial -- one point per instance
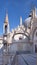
(6, 18)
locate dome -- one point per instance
(27, 21)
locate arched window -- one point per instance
(5, 28)
(20, 38)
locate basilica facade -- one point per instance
(22, 38)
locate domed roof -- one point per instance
(27, 21)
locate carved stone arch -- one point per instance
(21, 33)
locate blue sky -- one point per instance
(15, 8)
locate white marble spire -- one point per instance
(6, 24)
(34, 12)
(20, 21)
(6, 18)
